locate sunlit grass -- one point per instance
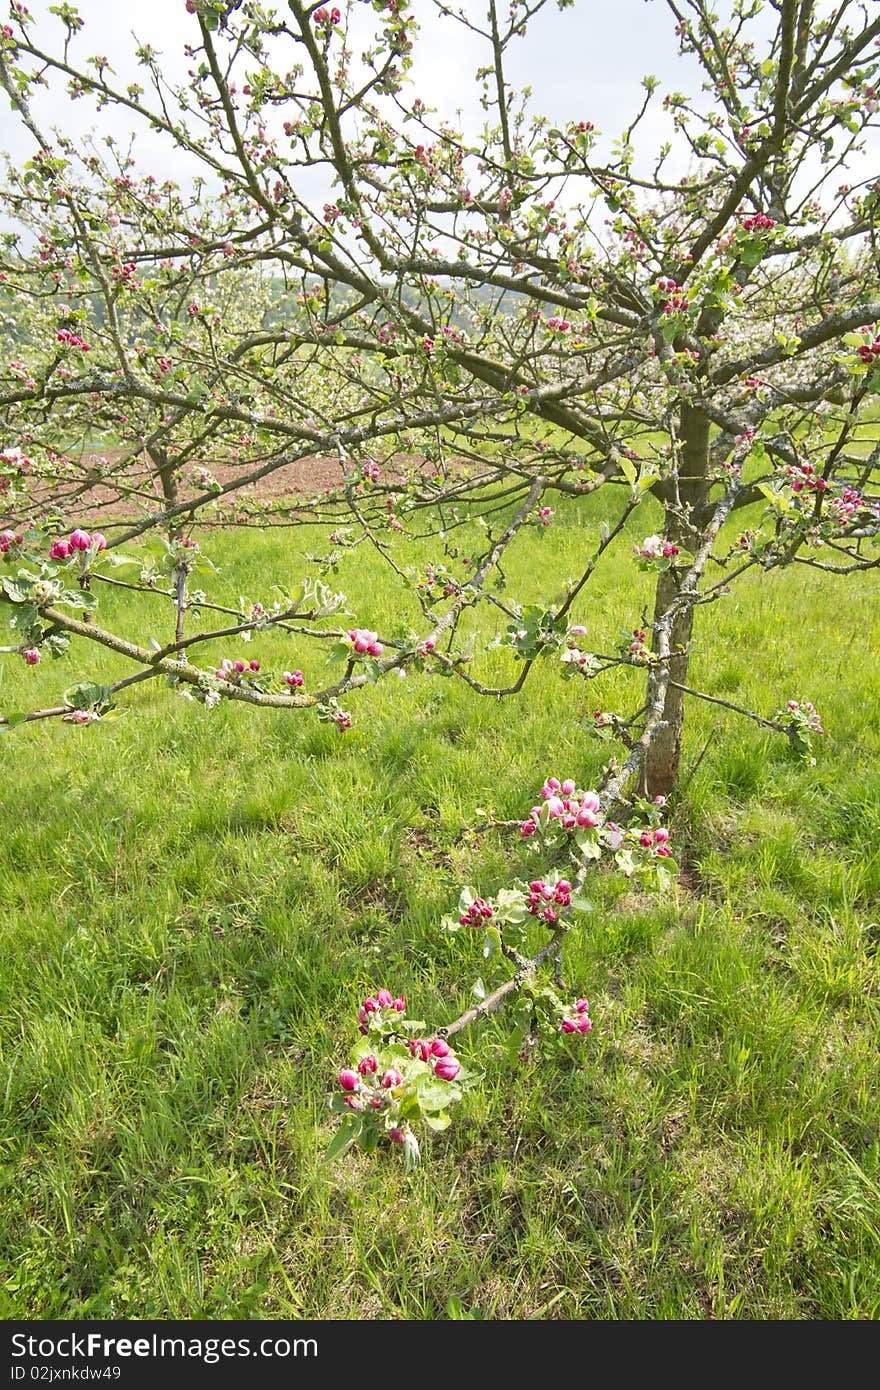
(194, 900)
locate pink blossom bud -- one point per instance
(568, 1025)
(590, 802)
(440, 1048)
(294, 678)
(60, 550)
(555, 807)
(368, 1064)
(80, 540)
(447, 1068)
(238, 666)
(399, 1004)
(370, 1005)
(391, 1078)
(586, 818)
(348, 1080)
(569, 787)
(396, 1135)
(99, 541)
(253, 665)
(384, 998)
(661, 836)
(32, 656)
(582, 1006)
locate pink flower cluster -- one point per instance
(544, 515)
(294, 678)
(342, 719)
(676, 303)
(371, 471)
(228, 670)
(478, 912)
(578, 1021)
(655, 548)
(545, 899)
(806, 713)
(80, 716)
(804, 478)
(759, 223)
(639, 644)
(848, 505)
(870, 352)
(73, 340)
(365, 643)
(374, 1005)
(438, 1052)
(365, 1084)
(563, 802)
(559, 325)
(325, 18)
(9, 539)
(658, 840)
(78, 540)
(576, 657)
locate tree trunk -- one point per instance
(683, 517)
(166, 472)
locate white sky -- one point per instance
(582, 63)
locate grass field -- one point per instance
(194, 901)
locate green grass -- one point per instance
(193, 902)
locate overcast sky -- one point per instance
(582, 63)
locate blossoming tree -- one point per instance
(472, 324)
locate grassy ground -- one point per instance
(193, 902)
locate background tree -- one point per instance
(474, 325)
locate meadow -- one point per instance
(194, 902)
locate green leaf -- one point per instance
(13, 718)
(491, 942)
(17, 590)
(627, 468)
(344, 1137)
(368, 1138)
(587, 842)
(435, 1095)
(87, 696)
(437, 1121)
